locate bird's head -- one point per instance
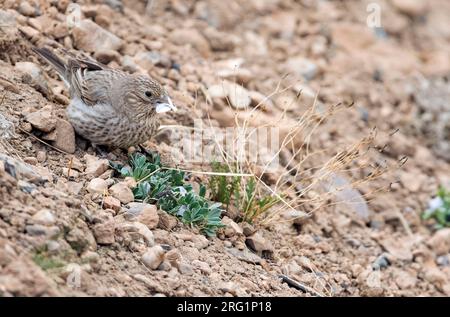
(149, 96)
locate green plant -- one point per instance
(166, 188)
(242, 191)
(222, 188)
(439, 209)
(47, 262)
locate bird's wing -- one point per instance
(90, 81)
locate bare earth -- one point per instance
(57, 239)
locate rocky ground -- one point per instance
(68, 226)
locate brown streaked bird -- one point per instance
(108, 106)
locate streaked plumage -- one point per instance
(108, 106)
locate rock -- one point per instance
(104, 232)
(27, 9)
(202, 266)
(95, 166)
(42, 119)
(166, 221)
(153, 257)
(44, 217)
(30, 160)
(147, 60)
(231, 227)
(141, 229)
(107, 56)
(192, 37)
(185, 268)
(149, 216)
(98, 186)
(440, 241)
(110, 202)
(200, 242)
(245, 255)
(53, 246)
(346, 194)
(228, 287)
(41, 230)
(220, 41)
(412, 181)
(247, 229)
(122, 192)
(34, 76)
(257, 243)
(91, 37)
(65, 136)
(261, 101)
(399, 248)
(381, 262)
(435, 276)
(302, 66)
(413, 8)
(131, 182)
(174, 257)
(81, 238)
(281, 24)
(405, 280)
(90, 256)
(238, 96)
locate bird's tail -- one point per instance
(53, 60)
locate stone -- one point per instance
(27, 9)
(97, 186)
(303, 67)
(44, 217)
(247, 229)
(238, 96)
(106, 56)
(191, 37)
(185, 268)
(174, 257)
(149, 216)
(259, 244)
(34, 76)
(153, 257)
(41, 230)
(244, 255)
(228, 287)
(91, 37)
(281, 24)
(440, 241)
(65, 136)
(231, 227)
(398, 248)
(200, 242)
(122, 192)
(202, 266)
(110, 202)
(435, 276)
(104, 232)
(261, 101)
(166, 221)
(131, 182)
(90, 256)
(141, 229)
(413, 8)
(405, 280)
(81, 238)
(95, 166)
(42, 119)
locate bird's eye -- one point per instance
(148, 94)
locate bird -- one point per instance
(109, 107)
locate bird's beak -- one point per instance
(165, 105)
